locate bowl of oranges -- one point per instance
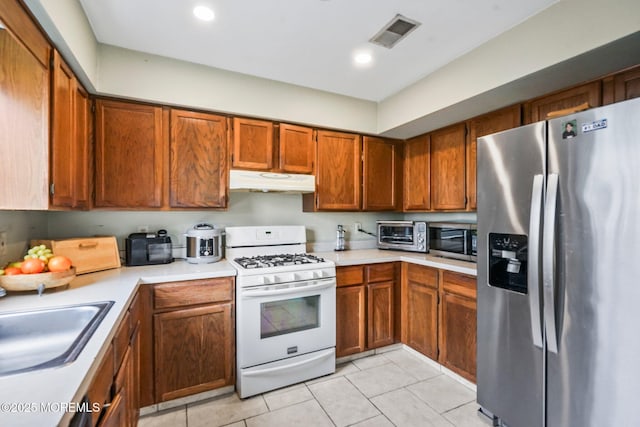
(40, 269)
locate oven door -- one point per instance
(280, 321)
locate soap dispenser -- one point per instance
(340, 238)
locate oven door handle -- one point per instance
(323, 355)
(292, 290)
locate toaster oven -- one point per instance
(403, 235)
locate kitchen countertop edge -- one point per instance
(23, 399)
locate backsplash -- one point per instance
(244, 209)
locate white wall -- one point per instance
(21, 227)
(67, 26)
(131, 74)
(244, 209)
(562, 31)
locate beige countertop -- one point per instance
(372, 256)
(38, 398)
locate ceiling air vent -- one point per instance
(397, 29)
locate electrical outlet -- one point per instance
(3, 243)
(143, 229)
(357, 226)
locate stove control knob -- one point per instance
(266, 280)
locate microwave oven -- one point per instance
(403, 235)
(456, 240)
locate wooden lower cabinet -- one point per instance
(350, 320)
(458, 335)
(420, 309)
(380, 314)
(116, 385)
(439, 316)
(193, 350)
(365, 307)
(187, 338)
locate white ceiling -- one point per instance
(309, 42)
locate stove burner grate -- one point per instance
(279, 260)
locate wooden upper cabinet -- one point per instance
(416, 174)
(198, 172)
(252, 144)
(380, 174)
(626, 85)
(84, 150)
(131, 151)
(338, 171)
(496, 121)
(538, 109)
(63, 141)
(448, 168)
(297, 149)
(70, 156)
(24, 131)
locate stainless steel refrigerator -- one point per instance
(559, 271)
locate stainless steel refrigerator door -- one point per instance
(510, 370)
(594, 378)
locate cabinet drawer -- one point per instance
(177, 294)
(423, 275)
(380, 272)
(352, 275)
(461, 284)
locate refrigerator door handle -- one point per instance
(548, 263)
(533, 274)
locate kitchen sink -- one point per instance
(45, 338)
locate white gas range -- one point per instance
(285, 308)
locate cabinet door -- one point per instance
(297, 149)
(626, 85)
(497, 121)
(458, 335)
(252, 144)
(420, 309)
(24, 117)
(448, 168)
(63, 140)
(417, 175)
(380, 325)
(83, 163)
(380, 174)
(116, 414)
(338, 172)
(131, 147)
(538, 109)
(193, 350)
(350, 320)
(198, 176)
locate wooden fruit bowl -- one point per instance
(37, 282)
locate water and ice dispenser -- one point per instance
(508, 261)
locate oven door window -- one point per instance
(290, 315)
(399, 235)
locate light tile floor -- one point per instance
(394, 388)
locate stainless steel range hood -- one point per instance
(243, 180)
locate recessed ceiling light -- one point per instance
(363, 58)
(203, 12)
